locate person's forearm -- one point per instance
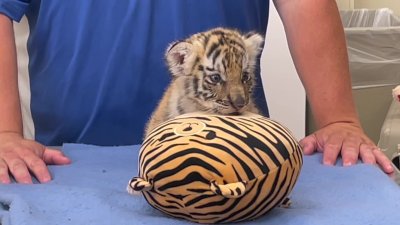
(317, 44)
(10, 109)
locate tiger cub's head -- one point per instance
(216, 68)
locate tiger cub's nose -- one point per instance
(238, 102)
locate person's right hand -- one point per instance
(20, 157)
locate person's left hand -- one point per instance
(348, 141)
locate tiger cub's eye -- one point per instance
(245, 77)
(215, 78)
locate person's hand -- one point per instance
(20, 157)
(348, 141)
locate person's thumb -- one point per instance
(309, 144)
(55, 157)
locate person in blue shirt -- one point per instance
(96, 73)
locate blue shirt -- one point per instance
(97, 67)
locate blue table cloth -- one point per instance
(92, 190)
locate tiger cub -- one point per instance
(212, 72)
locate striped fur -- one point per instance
(212, 72)
(218, 169)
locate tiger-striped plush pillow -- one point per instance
(214, 168)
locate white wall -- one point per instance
(283, 89)
(375, 4)
(345, 4)
(370, 4)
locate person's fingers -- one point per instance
(38, 168)
(366, 154)
(23, 160)
(349, 142)
(309, 144)
(383, 161)
(331, 152)
(19, 158)
(38, 165)
(350, 150)
(18, 169)
(332, 147)
(4, 175)
(55, 157)
(13, 164)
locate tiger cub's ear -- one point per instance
(254, 43)
(178, 57)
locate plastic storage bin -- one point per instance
(389, 141)
(373, 41)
